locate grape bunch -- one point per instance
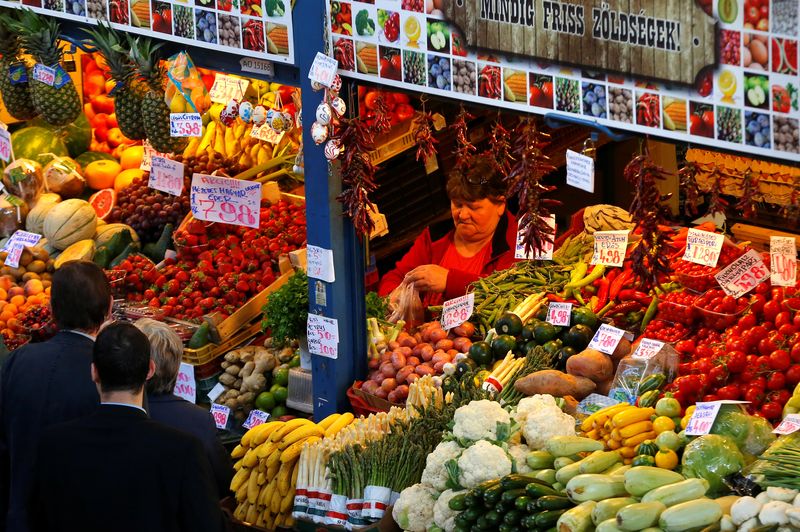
(148, 210)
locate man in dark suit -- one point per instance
(42, 384)
(116, 469)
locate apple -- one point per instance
(101, 133)
(111, 121)
(103, 104)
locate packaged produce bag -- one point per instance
(24, 179)
(632, 370)
(12, 214)
(185, 92)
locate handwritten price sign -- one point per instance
(256, 417)
(790, 424)
(546, 253)
(221, 415)
(319, 264)
(743, 274)
(783, 260)
(703, 418)
(610, 247)
(166, 175)
(6, 151)
(323, 69)
(226, 88)
(185, 386)
(606, 339)
(323, 336)
(225, 200)
(457, 311)
(703, 247)
(185, 125)
(17, 243)
(266, 133)
(559, 314)
(647, 349)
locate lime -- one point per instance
(265, 401)
(278, 411)
(281, 393)
(274, 387)
(281, 376)
(295, 362)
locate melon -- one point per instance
(68, 222)
(81, 250)
(37, 143)
(35, 220)
(88, 157)
(106, 232)
(77, 136)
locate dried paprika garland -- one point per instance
(358, 174)
(500, 147)
(381, 124)
(750, 192)
(690, 188)
(716, 203)
(464, 148)
(423, 135)
(525, 181)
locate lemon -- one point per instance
(727, 83)
(412, 29)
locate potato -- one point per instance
(403, 373)
(370, 387)
(555, 383)
(444, 344)
(398, 360)
(465, 330)
(591, 364)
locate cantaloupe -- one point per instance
(81, 250)
(68, 222)
(35, 220)
(105, 232)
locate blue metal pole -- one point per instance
(343, 299)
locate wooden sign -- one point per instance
(670, 40)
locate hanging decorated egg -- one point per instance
(324, 113)
(333, 148)
(336, 84)
(259, 115)
(319, 132)
(246, 111)
(317, 86)
(338, 106)
(288, 121)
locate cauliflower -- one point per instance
(479, 420)
(483, 461)
(413, 511)
(435, 473)
(542, 419)
(443, 516)
(519, 454)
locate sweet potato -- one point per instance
(623, 349)
(591, 364)
(604, 387)
(555, 383)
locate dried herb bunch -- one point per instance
(423, 135)
(750, 195)
(464, 148)
(691, 190)
(500, 147)
(524, 180)
(358, 174)
(650, 256)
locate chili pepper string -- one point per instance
(381, 123)
(690, 188)
(358, 174)
(464, 148)
(747, 203)
(423, 134)
(500, 147)
(716, 203)
(524, 180)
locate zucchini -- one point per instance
(521, 503)
(641, 479)
(672, 494)
(483, 486)
(608, 508)
(535, 490)
(599, 461)
(553, 502)
(472, 499)
(548, 476)
(593, 487)
(493, 518)
(458, 503)
(483, 524)
(577, 519)
(650, 383)
(539, 460)
(698, 513)
(569, 445)
(508, 497)
(528, 522)
(502, 508)
(462, 521)
(609, 525)
(472, 514)
(566, 473)
(547, 518)
(639, 515)
(562, 461)
(516, 481)
(492, 495)
(506, 528)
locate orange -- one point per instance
(17, 300)
(6, 315)
(101, 174)
(33, 287)
(3, 294)
(132, 157)
(126, 177)
(16, 291)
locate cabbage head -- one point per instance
(712, 457)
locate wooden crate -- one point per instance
(759, 236)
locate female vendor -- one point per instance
(482, 241)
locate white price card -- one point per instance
(185, 385)
(319, 264)
(266, 133)
(606, 339)
(610, 247)
(323, 336)
(323, 69)
(255, 418)
(743, 274)
(185, 125)
(44, 74)
(147, 156)
(17, 243)
(227, 88)
(703, 247)
(783, 260)
(221, 414)
(790, 424)
(166, 175)
(580, 171)
(225, 200)
(559, 314)
(215, 392)
(456, 311)
(6, 150)
(546, 253)
(647, 349)
(703, 418)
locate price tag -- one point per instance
(6, 151)
(44, 74)
(256, 417)
(580, 171)
(703, 418)
(783, 260)
(221, 415)
(457, 311)
(185, 386)
(215, 392)
(606, 339)
(323, 336)
(703, 247)
(559, 314)
(323, 69)
(536, 254)
(185, 125)
(610, 247)
(227, 88)
(166, 175)
(225, 200)
(147, 156)
(266, 133)
(319, 264)
(647, 349)
(17, 243)
(790, 424)
(743, 274)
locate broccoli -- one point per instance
(364, 24)
(275, 8)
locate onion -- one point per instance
(386, 356)
(439, 366)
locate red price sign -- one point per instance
(44, 74)
(225, 200)
(323, 336)
(457, 311)
(185, 125)
(6, 153)
(221, 414)
(610, 247)
(559, 314)
(743, 274)
(703, 418)
(703, 247)
(606, 339)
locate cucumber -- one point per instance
(539, 460)
(548, 476)
(698, 513)
(492, 495)
(599, 461)
(593, 487)
(577, 519)
(483, 486)
(672, 494)
(472, 514)
(569, 445)
(535, 490)
(553, 502)
(521, 503)
(509, 497)
(639, 515)
(608, 508)
(483, 524)
(472, 499)
(641, 479)
(547, 518)
(516, 481)
(458, 503)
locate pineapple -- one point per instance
(39, 36)
(155, 111)
(16, 96)
(129, 92)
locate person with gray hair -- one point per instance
(166, 349)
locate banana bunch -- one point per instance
(606, 218)
(267, 467)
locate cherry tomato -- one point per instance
(783, 318)
(730, 392)
(718, 375)
(736, 362)
(776, 381)
(771, 310)
(793, 375)
(766, 346)
(754, 395)
(794, 353)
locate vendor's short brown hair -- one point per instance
(479, 179)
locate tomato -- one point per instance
(686, 347)
(776, 381)
(695, 124)
(404, 112)
(397, 62)
(708, 119)
(779, 360)
(736, 362)
(754, 395)
(794, 353)
(771, 410)
(730, 392)
(766, 346)
(536, 95)
(793, 375)
(547, 90)
(703, 366)
(718, 375)
(771, 310)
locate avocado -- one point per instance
(200, 336)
